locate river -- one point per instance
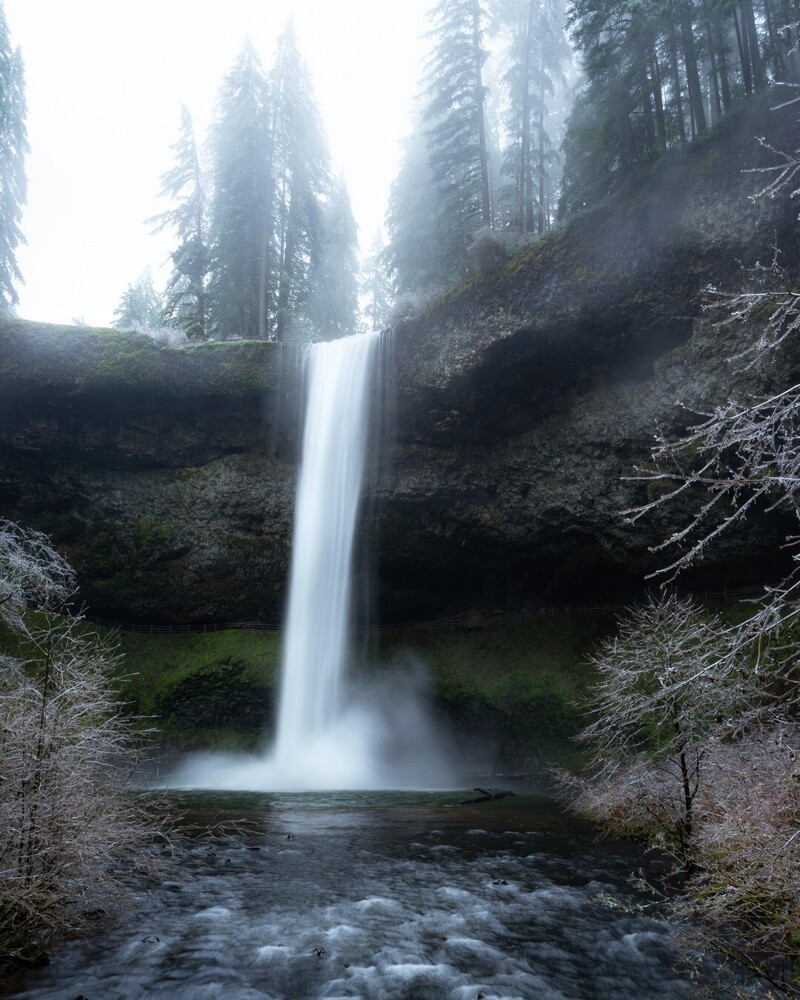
(383, 896)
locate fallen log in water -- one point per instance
(487, 795)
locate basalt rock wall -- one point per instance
(527, 400)
(520, 406)
(166, 475)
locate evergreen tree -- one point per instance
(538, 53)
(442, 195)
(186, 297)
(141, 307)
(424, 253)
(455, 114)
(240, 245)
(376, 286)
(334, 272)
(13, 147)
(301, 182)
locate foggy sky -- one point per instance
(105, 81)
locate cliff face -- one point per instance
(527, 400)
(520, 402)
(163, 473)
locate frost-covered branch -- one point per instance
(739, 458)
(32, 574)
(70, 832)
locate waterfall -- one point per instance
(333, 733)
(328, 499)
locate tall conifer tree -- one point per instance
(376, 286)
(186, 294)
(13, 147)
(140, 308)
(442, 195)
(455, 111)
(301, 180)
(334, 272)
(240, 212)
(421, 254)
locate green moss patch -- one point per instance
(517, 686)
(73, 362)
(205, 690)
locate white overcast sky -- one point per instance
(105, 81)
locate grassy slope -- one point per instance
(518, 685)
(212, 689)
(218, 689)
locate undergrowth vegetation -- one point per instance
(206, 690)
(71, 830)
(490, 687)
(694, 751)
(218, 689)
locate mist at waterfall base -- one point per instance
(333, 731)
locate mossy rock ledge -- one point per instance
(166, 475)
(522, 401)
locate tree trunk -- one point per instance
(688, 819)
(541, 166)
(646, 89)
(790, 22)
(525, 164)
(778, 66)
(263, 277)
(710, 47)
(486, 197)
(744, 55)
(749, 29)
(285, 281)
(676, 82)
(692, 74)
(655, 73)
(722, 52)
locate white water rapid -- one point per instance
(332, 733)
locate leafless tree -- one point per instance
(666, 684)
(691, 754)
(70, 829)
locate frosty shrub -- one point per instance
(665, 686)
(748, 841)
(693, 752)
(32, 573)
(70, 831)
(407, 305)
(169, 336)
(489, 250)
